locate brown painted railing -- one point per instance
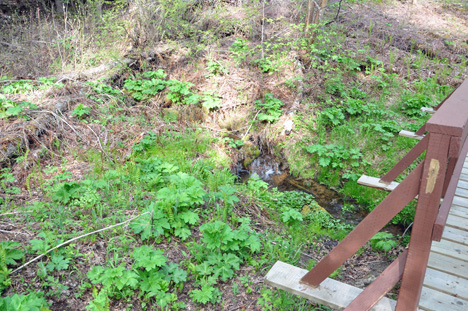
(434, 178)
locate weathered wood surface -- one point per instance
(437, 301)
(330, 292)
(428, 110)
(446, 281)
(374, 182)
(410, 134)
(451, 249)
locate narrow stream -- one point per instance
(268, 169)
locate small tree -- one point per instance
(314, 14)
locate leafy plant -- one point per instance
(211, 100)
(215, 68)
(9, 254)
(220, 255)
(151, 274)
(9, 108)
(332, 116)
(145, 89)
(29, 302)
(170, 213)
(336, 156)
(383, 241)
(271, 107)
(266, 65)
(179, 92)
(6, 178)
(412, 104)
(81, 110)
(240, 50)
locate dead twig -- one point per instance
(13, 213)
(245, 135)
(74, 239)
(61, 119)
(99, 141)
(12, 232)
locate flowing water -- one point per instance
(269, 170)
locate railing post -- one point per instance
(430, 191)
(367, 228)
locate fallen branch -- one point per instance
(13, 213)
(74, 239)
(12, 232)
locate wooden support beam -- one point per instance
(409, 134)
(444, 210)
(375, 182)
(334, 294)
(406, 161)
(432, 182)
(380, 287)
(367, 228)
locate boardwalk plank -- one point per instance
(446, 283)
(459, 211)
(462, 193)
(458, 200)
(452, 249)
(455, 235)
(457, 222)
(436, 301)
(448, 264)
(464, 177)
(462, 184)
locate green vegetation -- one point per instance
(128, 198)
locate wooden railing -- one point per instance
(445, 143)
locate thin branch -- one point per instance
(13, 213)
(13, 232)
(245, 135)
(337, 13)
(99, 141)
(61, 119)
(74, 239)
(263, 27)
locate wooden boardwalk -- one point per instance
(446, 282)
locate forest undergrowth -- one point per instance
(123, 128)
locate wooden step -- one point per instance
(428, 110)
(409, 134)
(374, 182)
(334, 294)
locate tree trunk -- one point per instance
(314, 14)
(59, 6)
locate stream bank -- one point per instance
(275, 172)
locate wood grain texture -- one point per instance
(448, 265)
(451, 249)
(432, 182)
(410, 134)
(446, 283)
(374, 182)
(332, 293)
(437, 301)
(380, 287)
(369, 226)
